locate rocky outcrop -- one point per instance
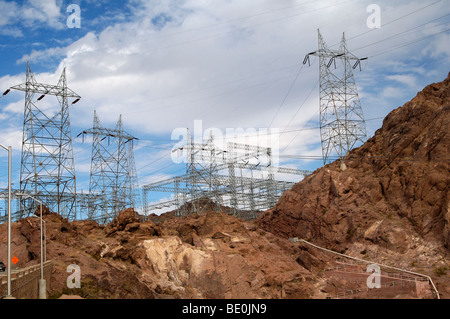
(393, 197)
(213, 255)
(398, 177)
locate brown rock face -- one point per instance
(400, 175)
(208, 256)
(394, 194)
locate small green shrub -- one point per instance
(440, 271)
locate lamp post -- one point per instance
(8, 293)
(42, 282)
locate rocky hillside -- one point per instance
(209, 256)
(392, 203)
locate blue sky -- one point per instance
(229, 63)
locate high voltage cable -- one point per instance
(230, 31)
(227, 21)
(354, 36)
(217, 85)
(408, 43)
(243, 28)
(286, 96)
(299, 108)
(400, 46)
(272, 133)
(395, 20)
(406, 31)
(160, 158)
(211, 96)
(265, 134)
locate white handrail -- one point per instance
(372, 262)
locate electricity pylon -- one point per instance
(47, 166)
(201, 165)
(342, 122)
(111, 185)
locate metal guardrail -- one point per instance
(426, 277)
(352, 292)
(21, 273)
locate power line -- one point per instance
(392, 21)
(217, 35)
(300, 107)
(243, 28)
(287, 95)
(286, 131)
(228, 21)
(233, 91)
(408, 43)
(211, 96)
(285, 98)
(160, 158)
(218, 85)
(404, 32)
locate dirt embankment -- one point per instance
(209, 256)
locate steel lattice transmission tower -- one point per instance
(112, 177)
(342, 122)
(47, 165)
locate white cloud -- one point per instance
(407, 79)
(9, 12)
(15, 107)
(37, 55)
(390, 92)
(12, 32)
(440, 48)
(229, 64)
(11, 136)
(31, 14)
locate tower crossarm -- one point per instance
(333, 54)
(105, 132)
(46, 89)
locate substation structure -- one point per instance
(239, 180)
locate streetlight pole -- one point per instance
(8, 293)
(42, 282)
